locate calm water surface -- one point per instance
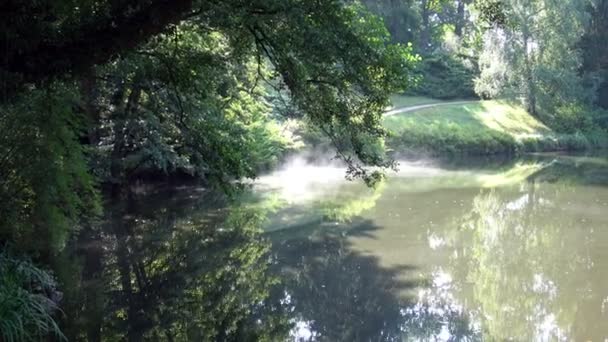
(490, 252)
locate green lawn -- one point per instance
(485, 115)
(486, 127)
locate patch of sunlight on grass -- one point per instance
(399, 101)
(515, 175)
(509, 119)
(476, 117)
(461, 115)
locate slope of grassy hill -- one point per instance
(484, 127)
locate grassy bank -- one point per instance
(483, 128)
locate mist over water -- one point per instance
(303, 179)
(306, 177)
(466, 240)
(435, 252)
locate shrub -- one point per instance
(600, 118)
(597, 138)
(26, 307)
(573, 142)
(441, 140)
(571, 118)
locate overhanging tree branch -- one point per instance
(95, 42)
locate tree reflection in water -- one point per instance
(172, 270)
(535, 256)
(515, 262)
(183, 267)
(342, 295)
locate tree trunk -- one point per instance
(88, 92)
(425, 34)
(116, 167)
(460, 20)
(530, 87)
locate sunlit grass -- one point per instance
(494, 115)
(480, 128)
(506, 118)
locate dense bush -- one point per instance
(26, 307)
(600, 118)
(445, 76)
(571, 118)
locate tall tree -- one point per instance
(595, 51)
(533, 55)
(175, 83)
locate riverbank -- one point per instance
(476, 128)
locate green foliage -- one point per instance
(46, 190)
(445, 76)
(368, 148)
(194, 101)
(444, 33)
(177, 88)
(571, 118)
(400, 17)
(595, 52)
(26, 307)
(534, 57)
(492, 12)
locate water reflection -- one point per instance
(537, 262)
(339, 294)
(173, 272)
(514, 252)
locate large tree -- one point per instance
(595, 51)
(531, 53)
(105, 87)
(174, 83)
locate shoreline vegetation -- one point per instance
(100, 98)
(488, 127)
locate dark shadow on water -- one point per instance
(181, 266)
(339, 294)
(182, 269)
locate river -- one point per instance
(464, 251)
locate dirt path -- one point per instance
(424, 106)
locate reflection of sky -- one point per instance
(302, 331)
(438, 300)
(512, 232)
